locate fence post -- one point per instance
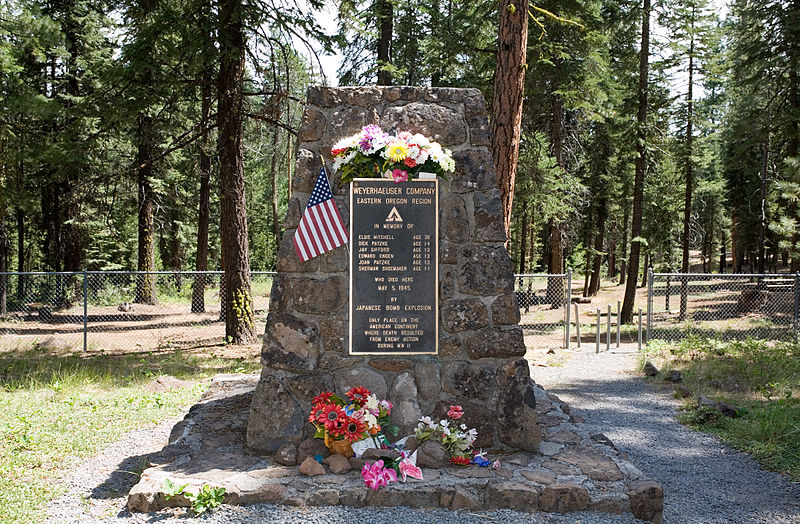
(85, 309)
(640, 330)
(608, 329)
(597, 338)
(618, 322)
(796, 302)
(577, 326)
(649, 304)
(666, 298)
(566, 305)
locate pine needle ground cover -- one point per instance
(760, 379)
(56, 410)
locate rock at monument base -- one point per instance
(338, 464)
(563, 498)
(312, 447)
(311, 467)
(512, 495)
(647, 500)
(460, 498)
(286, 455)
(275, 418)
(432, 454)
(518, 425)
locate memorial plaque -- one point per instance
(394, 271)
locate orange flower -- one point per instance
(354, 429)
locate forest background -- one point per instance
(126, 128)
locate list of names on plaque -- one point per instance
(393, 267)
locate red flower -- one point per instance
(461, 461)
(455, 412)
(358, 395)
(335, 152)
(333, 417)
(354, 429)
(317, 413)
(410, 162)
(322, 398)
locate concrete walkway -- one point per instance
(704, 480)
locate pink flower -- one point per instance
(455, 412)
(496, 464)
(399, 175)
(376, 476)
(407, 468)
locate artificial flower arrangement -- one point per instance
(355, 418)
(373, 153)
(453, 435)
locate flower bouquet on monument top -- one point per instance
(374, 153)
(344, 421)
(453, 435)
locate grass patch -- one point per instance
(58, 409)
(760, 379)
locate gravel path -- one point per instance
(704, 480)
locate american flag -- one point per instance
(321, 228)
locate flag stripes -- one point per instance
(321, 228)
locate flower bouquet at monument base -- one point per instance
(374, 153)
(344, 421)
(452, 434)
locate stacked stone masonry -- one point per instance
(480, 363)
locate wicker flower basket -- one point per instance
(340, 447)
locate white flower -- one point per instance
(342, 160)
(464, 427)
(371, 403)
(371, 421)
(426, 420)
(350, 141)
(444, 423)
(446, 431)
(420, 140)
(405, 135)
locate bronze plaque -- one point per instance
(394, 289)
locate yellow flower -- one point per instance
(396, 151)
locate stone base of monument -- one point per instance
(573, 470)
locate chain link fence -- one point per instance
(125, 310)
(543, 300)
(723, 306)
(118, 310)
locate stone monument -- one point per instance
(479, 360)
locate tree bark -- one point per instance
(385, 20)
(602, 212)
(204, 208)
(523, 236)
(20, 253)
(509, 83)
(793, 145)
(623, 270)
(641, 165)
(688, 175)
(145, 284)
(3, 261)
(762, 230)
(239, 320)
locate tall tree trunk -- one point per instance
(723, 255)
(762, 230)
(523, 236)
(3, 260)
(20, 253)
(146, 284)
(623, 270)
(204, 211)
(602, 212)
(385, 20)
(793, 145)
(555, 264)
(239, 320)
(641, 165)
(689, 175)
(509, 83)
(645, 267)
(276, 225)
